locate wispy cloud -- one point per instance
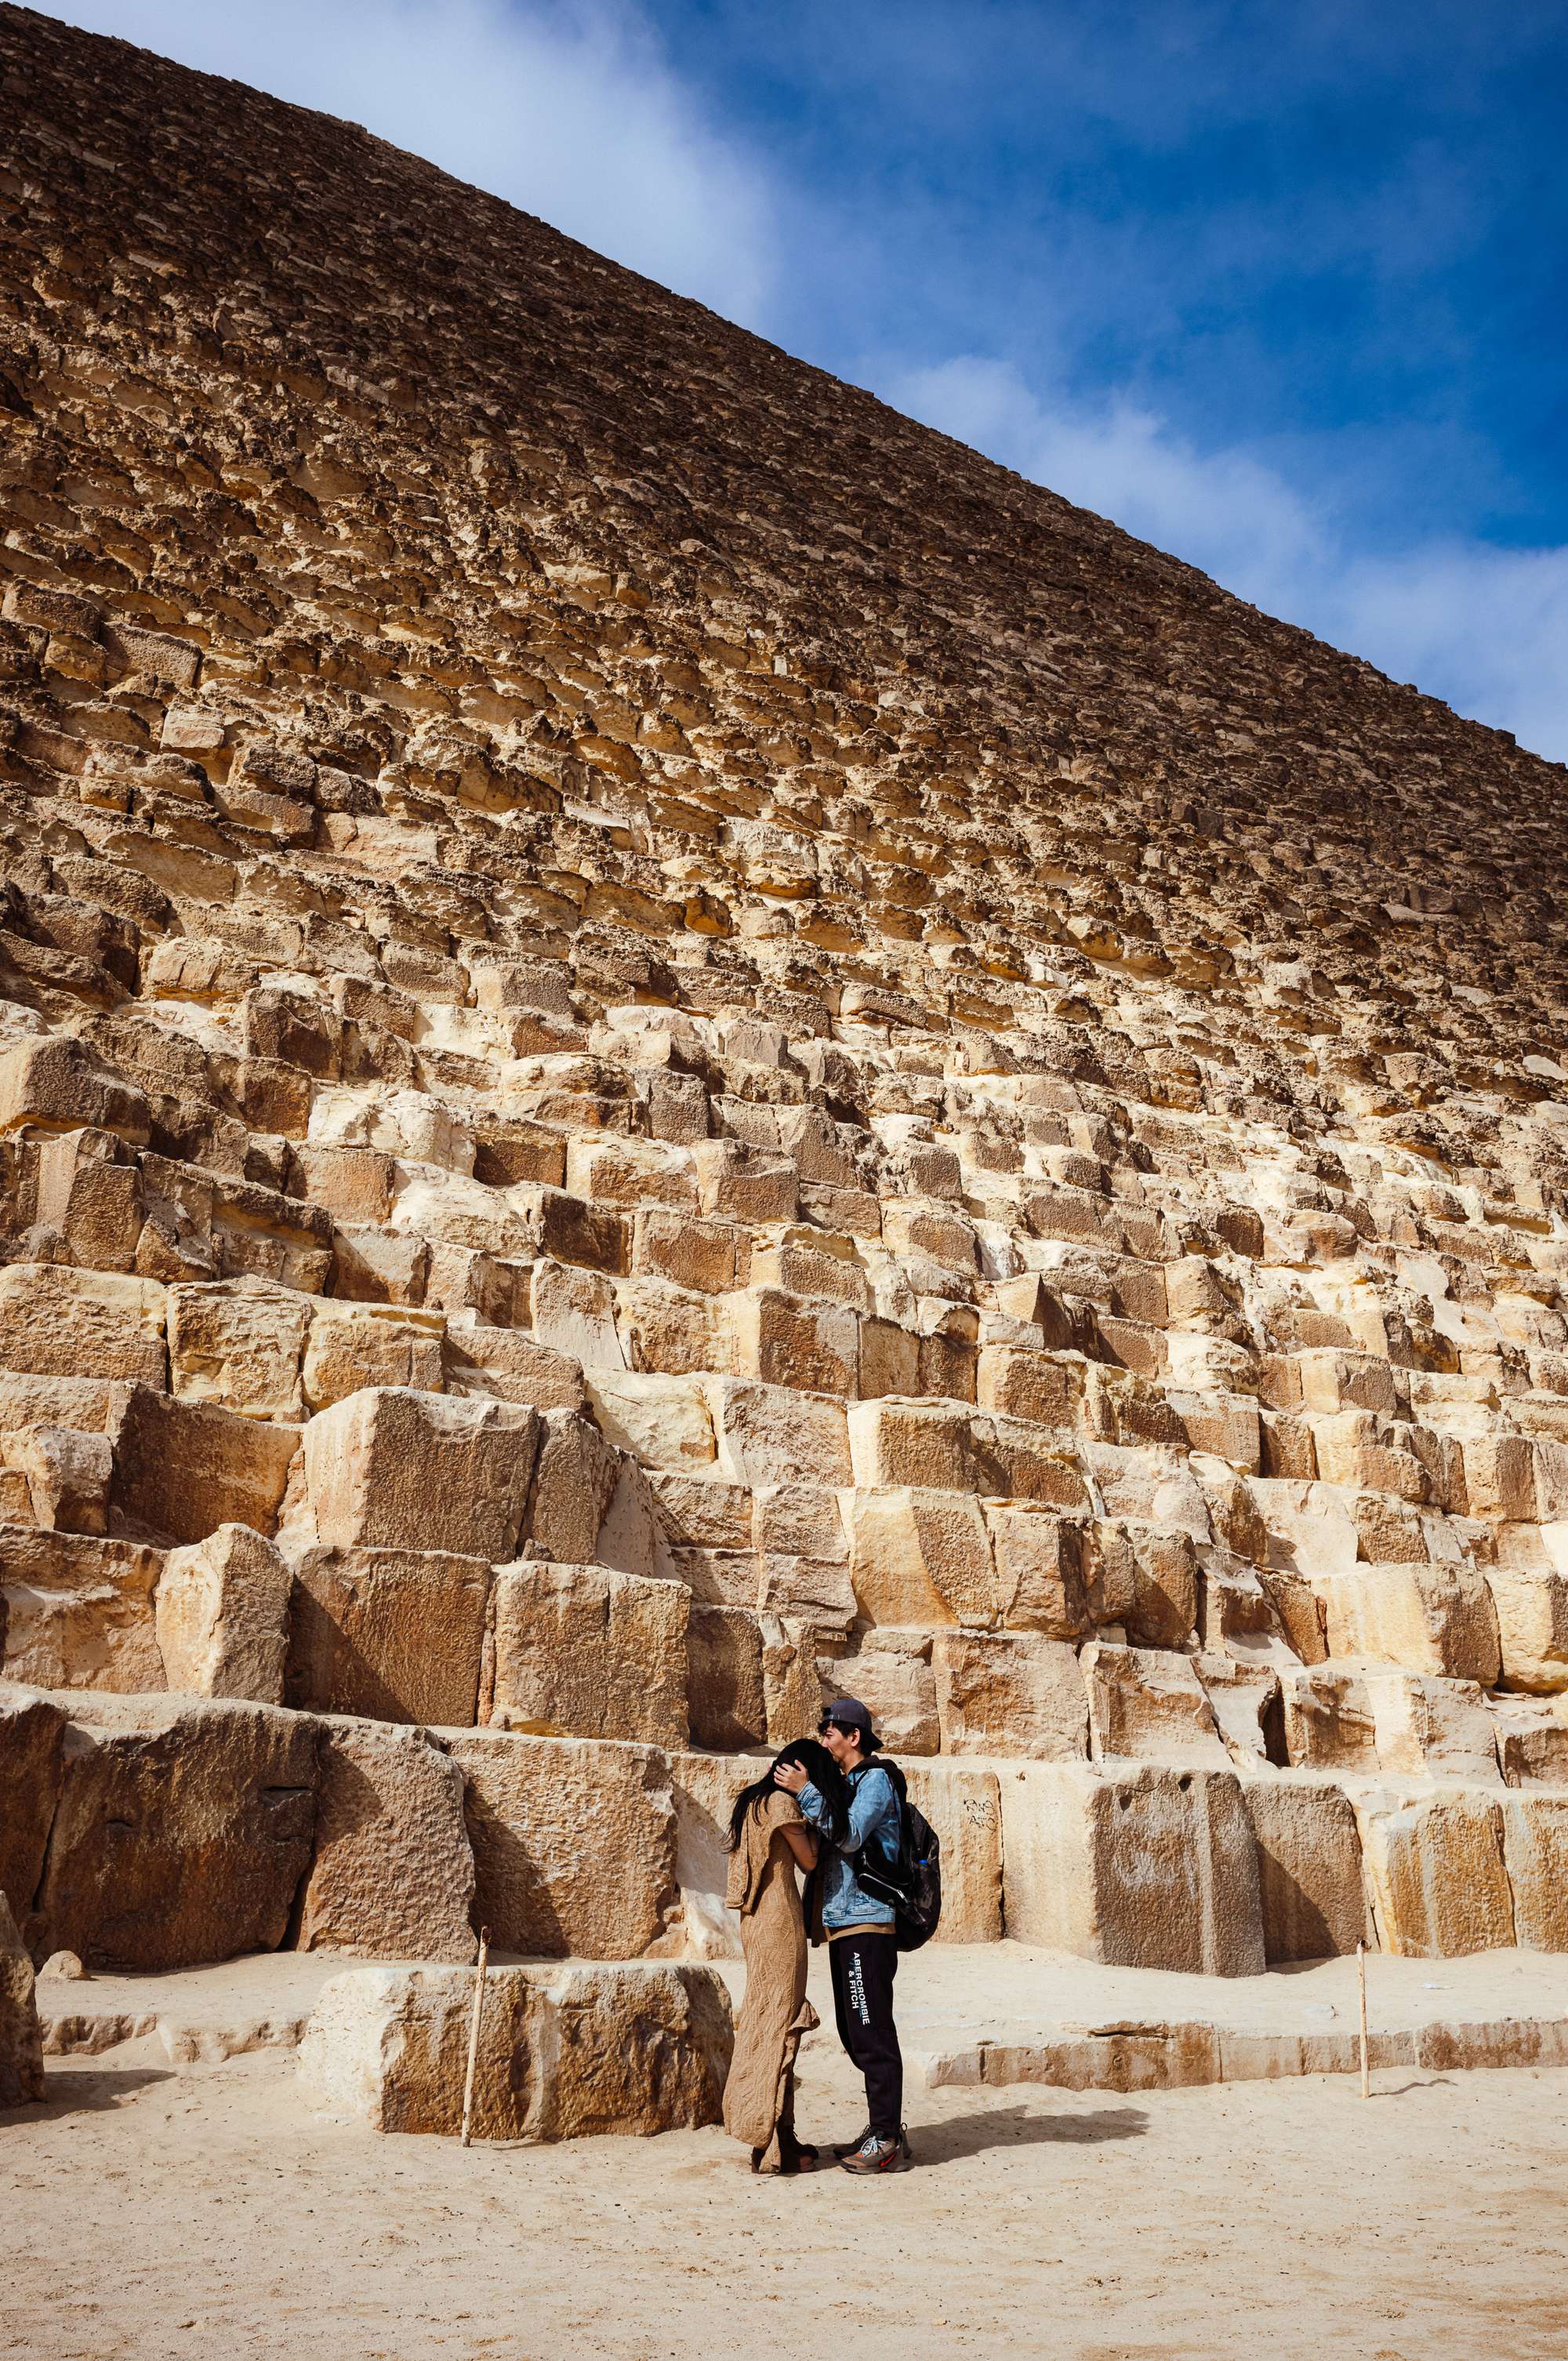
(568, 111)
(1484, 627)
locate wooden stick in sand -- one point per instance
(473, 2030)
(1361, 1982)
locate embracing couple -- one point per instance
(829, 1807)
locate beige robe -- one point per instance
(775, 2012)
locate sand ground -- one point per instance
(203, 2211)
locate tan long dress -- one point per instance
(775, 2010)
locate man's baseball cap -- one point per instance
(850, 1714)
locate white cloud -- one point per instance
(570, 112)
(1484, 627)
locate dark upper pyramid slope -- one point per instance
(396, 457)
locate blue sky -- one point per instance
(1280, 288)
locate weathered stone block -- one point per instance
(1149, 1704)
(1436, 1874)
(580, 1651)
(1150, 1868)
(222, 1610)
(919, 1557)
(391, 1875)
(32, 1743)
(1308, 1858)
(56, 1321)
(1430, 1619)
(21, 2037)
(182, 1470)
(573, 1844)
(78, 1611)
(394, 1634)
(1009, 1692)
(181, 1833)
(565, 2053)
(394, 1469)
(238, 1344)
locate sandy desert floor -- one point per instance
(205, 2212)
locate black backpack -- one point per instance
(913, 1882)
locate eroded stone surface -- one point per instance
(615, 958)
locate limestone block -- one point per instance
(238, 1343)
(56, 1321)
(222, 1610)
(181, 1833)
(676, 1330)
(92, 1199)
(391, 1875)
(741, 1183)
(1149, 1705)
(1143, 1577)
(704, 1787)
(893, 1677)
(32, 1742)
(1532, 1741)
(406, 1124)
(394, 1634)
(58, 1085)
(573, 1312)
(358, 1345)
(511, 1366)
(21, 2036)
(1331, 1379)
(919, 1556)
(664, 1421)
(809, 1344)
(76, 1611)
(1244, 1698)
(592, 1504)
(963, 1804)
(396, 1470)
(65, 1477)
(581, 1652)
(1024, 1383)
(1009, 1692)
(768, 1435)
(702, 1255)
(573, 1844)
(1432, 1618)
(1039, 1580)
(1432, 1729)
(565, 2053)
(925, 1444)
(1499, 1477)
(1308, 1859)
(797, 1521)
(890, 1359)
(1309, 1527)
(1535, 1853)
(1531, 1605)
(752, 1677)
(1328, 1723)
(811, 1262)
(1361, 1451)
(1436, 1875)
(1147, 1867)
(727, 1705)
(182, 1470)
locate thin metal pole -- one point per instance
(474, 2030)
(1361, 1980)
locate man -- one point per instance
(859, 1926)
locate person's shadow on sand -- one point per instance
(963, 2136)
(91, 2093)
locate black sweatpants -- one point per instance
(863, 1969)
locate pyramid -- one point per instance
(667, 1047)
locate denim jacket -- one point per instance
(873, 1821)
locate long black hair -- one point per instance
(819, 1768)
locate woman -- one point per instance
(767, 1839)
